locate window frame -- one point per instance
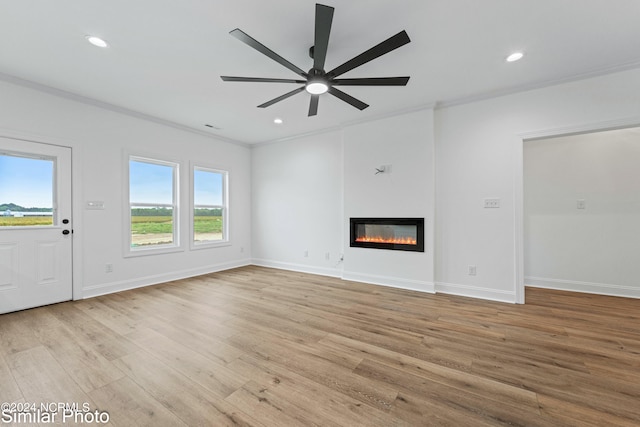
(176, 245)
(225, 207)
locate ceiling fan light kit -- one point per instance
(317, 87)
(317, 81)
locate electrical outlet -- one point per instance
(582, 204)
(242, 250)
(108, 268)
(491, 203)
(327, 256)
(306, 254)
(471, 271)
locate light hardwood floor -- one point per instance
(264, 347)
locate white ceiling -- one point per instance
(166, 57)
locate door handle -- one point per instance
(65, 232)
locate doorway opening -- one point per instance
(580, 211)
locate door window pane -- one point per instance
(26, 191)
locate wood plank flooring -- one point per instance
(263, 347)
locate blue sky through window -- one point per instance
(26, 182)
(150, 183)
(207, 187)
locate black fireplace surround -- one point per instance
(400, 234)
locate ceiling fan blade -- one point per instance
(280, 98)
(324, 18)
(372, 81)
(313, 106)
(378, 50)
(348, 98)
(247, 39)
(259, 79)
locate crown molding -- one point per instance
(540, 84)
(429, 106)
(114, 108)
(622, 123)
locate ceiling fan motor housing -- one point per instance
(317, 75)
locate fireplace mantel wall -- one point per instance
(305, 190)
(407, 144)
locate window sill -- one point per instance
(131, 253)
(210, 245)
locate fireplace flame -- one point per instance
(394, 240)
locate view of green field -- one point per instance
(12, 215)
(145, 229)
(163, 224)
(25, 221)
(154, 230)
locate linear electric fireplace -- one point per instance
(400, 234)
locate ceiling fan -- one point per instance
(317, 81)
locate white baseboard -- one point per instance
(302, 268)
(586, 287)
(125, 285)
(476, 292)
(393, 282)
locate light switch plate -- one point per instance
(94, 204)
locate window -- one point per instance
(26, 191)
(153, 206)
(210, 212)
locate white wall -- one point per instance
(478, 155)
(406, 143)
(297, 204)
(98, 138)
(305, 190)
(593, 249)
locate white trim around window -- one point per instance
(130, 250)
(220, 203)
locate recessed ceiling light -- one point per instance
(515, 57)
(277, 121)
(96, 41)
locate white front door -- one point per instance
(35, 224)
